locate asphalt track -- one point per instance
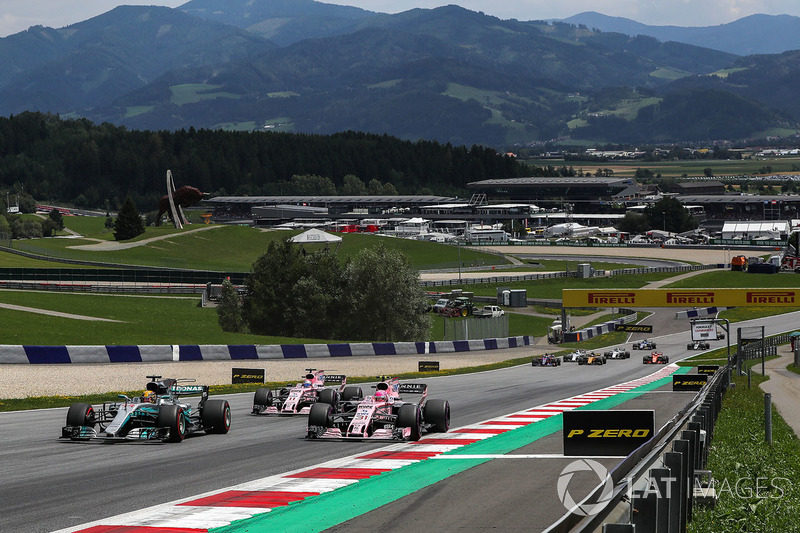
(48, 484)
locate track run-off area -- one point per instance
(496, 468)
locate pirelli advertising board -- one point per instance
(680, 297)
(689, 382)
(247, 375)
(707, 369)
(598, 433)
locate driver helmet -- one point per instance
(307, 383)
(380, 396)
(149, 397)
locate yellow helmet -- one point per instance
(149, 397)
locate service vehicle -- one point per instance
(789, 259)
(384, 415)
(547, 359)
(440, 304)
(298, 399)
(739, 262)
(617, 353)
(160, 414)
(698, 345)
(489, 311)
(645, 344)
(655, 358)
(592, 358)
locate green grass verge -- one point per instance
(793, 368)
(235, 248)
(758, 485)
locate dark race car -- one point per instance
(546, 360)
(299, 399)
(698, 345)
(592, 359)
(617, 353)
(655, 358)
(645, 344)
(384, 415)
(159, 414)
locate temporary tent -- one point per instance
(316, 236)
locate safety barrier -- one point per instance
(28, 354)
(655, 487)
(594, 331)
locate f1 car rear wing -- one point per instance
(336, 378)
(413, 388)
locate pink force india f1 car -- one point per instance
(381, 416)
(298, 399)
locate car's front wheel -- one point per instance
(410, 416)
(216, 416)
(80, 414)
(321, 415)
(437, 413)
(171, 417)
(263, 397)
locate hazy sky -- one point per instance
(18, 15)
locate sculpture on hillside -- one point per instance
(175, 200)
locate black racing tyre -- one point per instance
(262, 397)
(536, 361)
(666, 359)
(171, 417)
(329, 396)
(645, 359)
(558, 361)
(80, 414)
(437, 413)
(352, 394)
(321, 414)
(216, 416)
(653, 346)
(581, 361)
(410, 416)
(689, 346)
(635, 347)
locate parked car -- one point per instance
(440, 304)
(489, 311)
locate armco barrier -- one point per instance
(30, 354)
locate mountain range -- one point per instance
(445, 74)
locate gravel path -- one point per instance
(20, 381)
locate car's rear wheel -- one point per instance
(410, 416)
(216, 416)
(171, 417)
(80, 414)
(263, 397)
(437, 413)
(350, 394)
(321, 415)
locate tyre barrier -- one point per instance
(594, 331)
(29, 354)
(695, 313)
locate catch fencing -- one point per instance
(475, 328)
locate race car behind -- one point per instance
(617, 353)
(655, 358)
(574, 356)
(547, 359)
(299, 398)
(698, 345)
(592, 359)
(159, 414)
(384, 415)
(645, 344)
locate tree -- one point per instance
(708, 172)
(57, 218)
(670, 215)
(352, 186)
(128, 223)
(633, 223)
(383, 298)
(229, 309)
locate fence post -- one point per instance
(768, 417)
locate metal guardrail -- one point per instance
(689, 433)
(649, 270)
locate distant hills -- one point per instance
(756, 34)
(445, 74)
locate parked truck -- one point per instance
(489, 311)
(790, 257)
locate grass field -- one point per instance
(235, 248)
